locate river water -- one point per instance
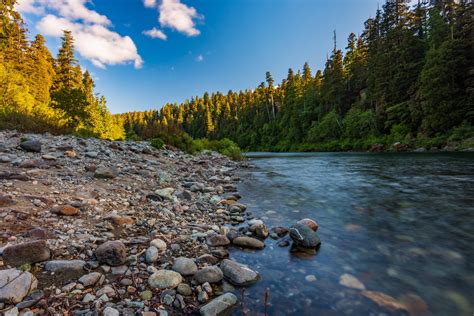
(402, 224)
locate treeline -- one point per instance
(39, 93)
(408, 77)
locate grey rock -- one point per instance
(90, 279)
(220, 306)
(163, 279)
(106, 172)
(304, 236)
(31, 146)
(110, 311)
(238, 274)
(151, 254)
(211, 274)
(185, 266)
(184, 289)
(15, 285)
(64, 265)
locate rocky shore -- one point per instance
(91, 227)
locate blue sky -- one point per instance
(211, 45)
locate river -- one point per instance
(402, 224)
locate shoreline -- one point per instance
(109, 226)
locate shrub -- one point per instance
(158, 143)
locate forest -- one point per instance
(408, 78)
(40, 93)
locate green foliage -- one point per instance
(158, 143)
(329, 128)
(41, 94)
(360, 124)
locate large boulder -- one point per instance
(28, 252)
(33, 146)
(165, 279)
(303, 236)
(238, 274)
(15, 285)
(220, 306)
(113, 253)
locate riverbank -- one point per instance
(113, 227)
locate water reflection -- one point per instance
(401, 224)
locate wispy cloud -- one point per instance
(176, 15)
(94, 39)
(155, 33)
(199, 58)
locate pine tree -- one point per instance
(68, 71)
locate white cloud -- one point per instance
(155, 33)
(94, 40)
(149, 3)
(29, 6)
(199, 58)
(176, 15)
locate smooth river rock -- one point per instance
(217, 240)
(106, 172)
(185, 266)
(15, 285)
(64, 265)
(220, 306)
(304, 236)
(238, 274)
(310, 223)
(248, 242)
(113, 253)
(165, 279)
(31, 146)
(351, 281)
(28, 252)
(211, 274)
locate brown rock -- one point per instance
(248, 242)
(37, 233)
(113, 253)
(310, 223)
(6, 201)
(121, 220)
(216, 240)
(66, 210)
(70, 153)
(384, 300)
(28, 252)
